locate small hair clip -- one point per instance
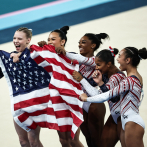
(139, 57)
(112, 51)
(30, 30)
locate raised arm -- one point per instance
(81, 59)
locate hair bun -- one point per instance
(115, 51)
(102, 36)
(143, 53)
(65, 29)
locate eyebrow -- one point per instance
(52, 37)
(82, 40)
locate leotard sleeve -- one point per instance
(113, 82)
(89, 89)
(81, 59)
(124, 86)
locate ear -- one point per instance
(62, 42)
(109, 64)
(28, 40)
(93, 46)
(128, 60)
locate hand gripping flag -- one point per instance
(64, 90)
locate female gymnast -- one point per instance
(130, 90)
(21, 39)
(109, 76)
(93, 113)
(57, 38)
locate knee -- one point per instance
(34, 142)
(24, 142)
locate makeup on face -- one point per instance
(54, 39)
(101, 65)
(20, 41)
(85, 46)
(121, 60)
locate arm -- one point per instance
(89, 89)
(123, 87)
(81, 59)
(113, 82)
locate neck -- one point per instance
(131, 71)
(113, 70)
(89, 55)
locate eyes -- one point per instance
(82, 42)
(51, 39)
(14, 38)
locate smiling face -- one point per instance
(20, 41)
(102, 66)
(55, 40)
(86, 47)
(122, 60)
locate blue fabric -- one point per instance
(25, 76)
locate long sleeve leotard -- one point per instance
(114, 80)
(129, 90)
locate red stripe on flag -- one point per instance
(63, 77)
(38, 59)
(31, 102)
(23, 117)
(48, 68)
(60, 64)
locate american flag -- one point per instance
(32, 101)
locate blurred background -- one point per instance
(125, 21)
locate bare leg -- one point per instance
(119, 127)
(134, 135)
(109, 135)
(96, 117)
(122, 138)
(23, 136)
(76, 142)
(65, 138)
(33, 136)
(85, 129)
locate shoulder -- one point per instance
(118, 76)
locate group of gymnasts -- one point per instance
(101, 81)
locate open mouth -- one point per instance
(17, 47)
(81, 49)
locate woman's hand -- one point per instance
(15, 57)
(83, 97)
(42, 43)
(97, 77)
(60, 50)
(77, 76)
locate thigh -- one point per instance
(64, 135)
(76, 138)
(84, 125)
(134, 134)
(119, 127)
(109, 135)
(34, 134)
(96, 117)
(84, 128)
(22, 134)
(122, 138)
